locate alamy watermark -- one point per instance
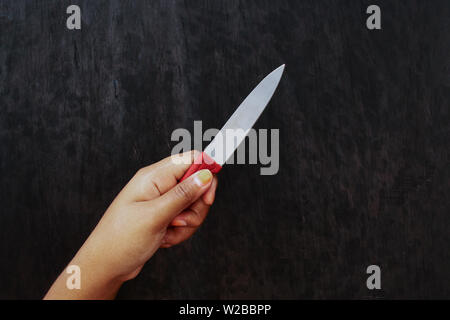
(74, 280)
(374, 280)
(262, 149)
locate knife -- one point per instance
(240, 123)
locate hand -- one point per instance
(152, 211)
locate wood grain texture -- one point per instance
(364, 142)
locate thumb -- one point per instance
(174, 201)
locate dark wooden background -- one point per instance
(364, 142)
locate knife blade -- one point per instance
(239, 124)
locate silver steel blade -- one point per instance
(239, 124)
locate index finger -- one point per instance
(153, 181)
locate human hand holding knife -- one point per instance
(161, 206)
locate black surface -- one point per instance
(364, 142)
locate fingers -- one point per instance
(152, 181)
(210, 195)
(196, 213)
(187, 222)
(176, 235)
(181, 196)
(170, 170)
(193, 216)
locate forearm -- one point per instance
(95, 281)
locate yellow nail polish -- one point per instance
(203, 177)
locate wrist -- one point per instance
(99, 279)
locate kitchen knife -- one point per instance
(219, 150)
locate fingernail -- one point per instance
(203, 177)
(179, 223)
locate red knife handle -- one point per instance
(203, 161)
